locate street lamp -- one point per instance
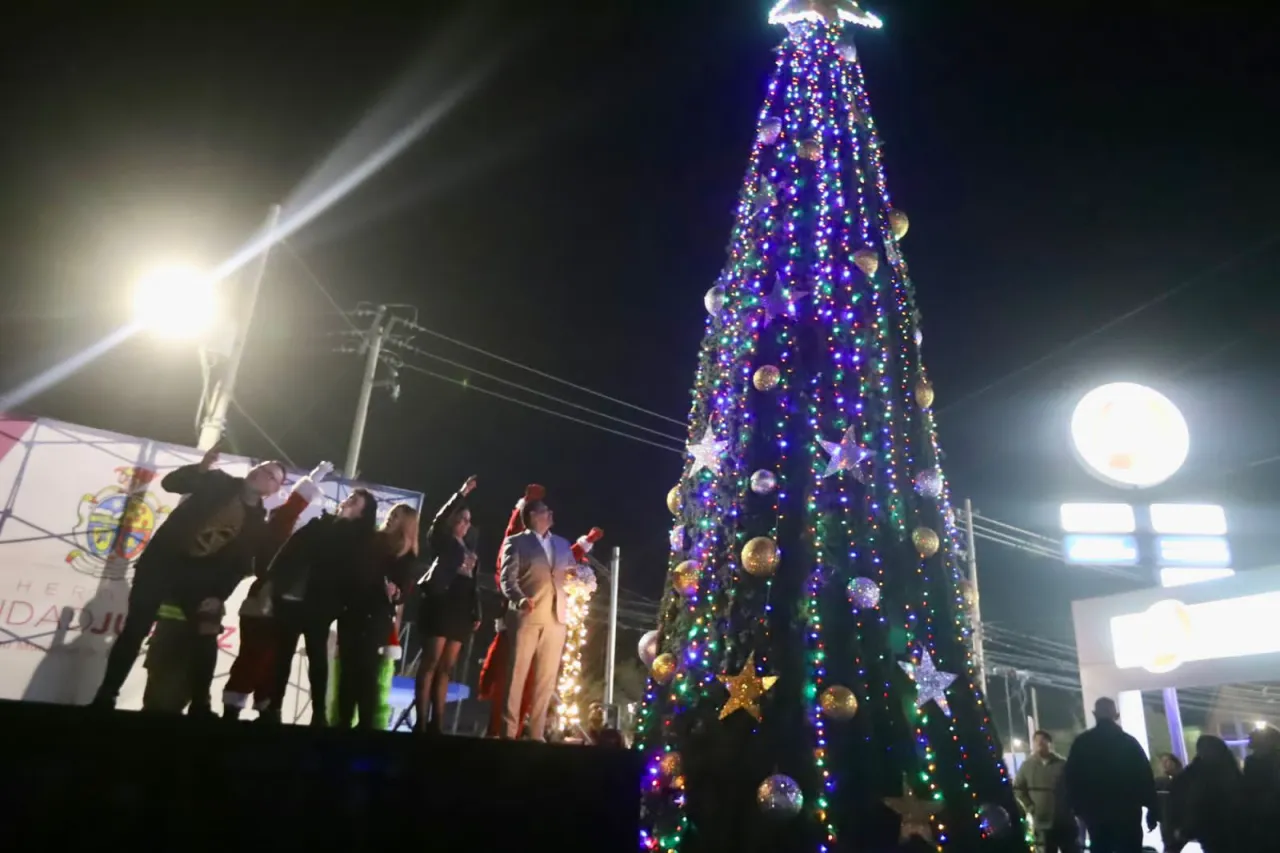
(176, 302)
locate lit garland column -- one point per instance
(579, 584)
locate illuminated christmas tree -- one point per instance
(813, 684)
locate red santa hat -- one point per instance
(583, 546)
(391, 650)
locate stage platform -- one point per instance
(81, 779)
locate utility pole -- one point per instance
(371, 348)
(223, 391)
(971, 546)
(615, 562)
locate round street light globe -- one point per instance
(1129, 435)
(175, 302)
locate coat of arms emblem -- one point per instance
(115, 525)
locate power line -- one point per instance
(424, 371)
(1110, 324)
(407, 347)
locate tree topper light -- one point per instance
(822, 11)
(1129, 435)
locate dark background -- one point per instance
(1061, 166)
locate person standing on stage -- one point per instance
(307, 582)
(367, 621)
(253, 671)
(533, 564)
(216, 530)
(448, 606)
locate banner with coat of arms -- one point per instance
(77, 507)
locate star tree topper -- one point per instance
(745, 689)
(707, 453)
(820, 11)
(931, 684)
(915, 813)
(777, 303)
(846, 455)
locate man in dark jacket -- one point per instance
(309, 578)
(209, 538)
(1109, 782)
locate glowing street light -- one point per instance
(176, 302)
(1130, 436)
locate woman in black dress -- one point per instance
(448, 606)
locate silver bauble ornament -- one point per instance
(929, 483)
(770, 130)
(648, 648)
(714, 300)
(993, 820)
(763, 482)
(864, 593)
(779, 797)
(919, 337)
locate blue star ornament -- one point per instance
(931, 684)
(778, 304)
(846, 455)
(707, 453)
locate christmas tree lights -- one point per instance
(813, 676)
(579, 585)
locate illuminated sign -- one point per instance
(1189, 519)
(1100, 550)
(1129, 435)
(1194, 551)
(1182, 575)
(1170, 633)
(1098, 518)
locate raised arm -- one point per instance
(284, 518)
(439, 524)
(191, 478)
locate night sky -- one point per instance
(1062, 167)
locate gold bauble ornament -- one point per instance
(969, 593)
(924, 394)
(838, 702)
(926, 541)
(675, 502)
(809, 149)
(663, 667)
(760, 557)
(867, 261)
(899, 224)
(767, 378)
(670, 765)
(684, 577)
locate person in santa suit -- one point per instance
(254, 667)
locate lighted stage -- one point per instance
(81, 779)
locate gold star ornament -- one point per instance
(745, 689)
(915, 813)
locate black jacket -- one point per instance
(317, 561)
(188, 579)
(1108, 776)
(449, 555)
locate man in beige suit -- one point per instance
(533, 566)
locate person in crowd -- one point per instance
(1040, 790)
(493, 673)
(448, 606)
(368, 618)
(1170, 767)
(216, 531)
(1109, 782)
(1261, 791)
(532, 565)
(307, 585)
(253, 671)
(1205, 802)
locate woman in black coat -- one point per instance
(448, 606)
(1205, 799)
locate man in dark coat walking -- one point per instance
(1109, 782)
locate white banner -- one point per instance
(67, 553)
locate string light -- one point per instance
(579, 586)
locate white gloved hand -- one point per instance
(318, 473)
